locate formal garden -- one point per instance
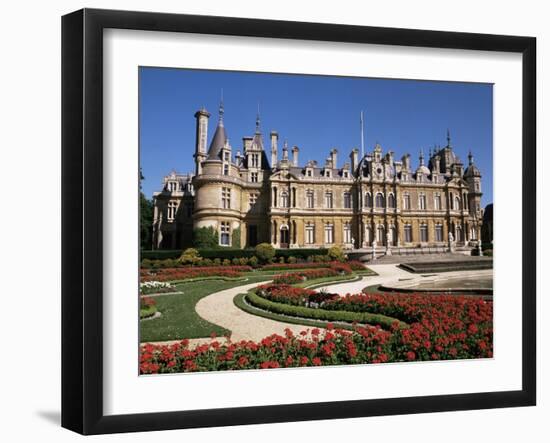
(333, 329)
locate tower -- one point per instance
(201, 137)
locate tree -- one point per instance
(205, 238)
(145, 217)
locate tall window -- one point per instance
(254, 177)
(172, 186)
(226, 169)
(408, 234)
(224, 234)
(422, 201)
(226, 156)
(438, 233)
(368, 235)
(347, 200)
(437, 202)
(473, 233)
(406, 201)
(328, 200)
(274, 203)
(255, 160)
(172, 208)
(309, 173)
(226, 198)
(379, 200)
(310, 233)
(309, 199)
(368, 200)
(391, 201)
(347, 232)
(329, 233)
(457, 203)
(424, 233)
(284, 199)
(380, 235)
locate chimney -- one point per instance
(334, 157)
(274, 154)
(354, 156)
(295, 151)
(406, 159)
(285, 152)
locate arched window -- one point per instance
(368, 200)
(379, 200)
(391, 201)
(381, 235)
(457, 203)
(393, 236)
(408, 233)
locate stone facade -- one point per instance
(374, 200)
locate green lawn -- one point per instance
(179, 319)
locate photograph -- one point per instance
(296, 221)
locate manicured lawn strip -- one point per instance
(148, 311)
(322, 314)
(179, 319)
(241, 302)
(192, 280)
(327, 281)
(366, 273)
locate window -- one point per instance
(345, 174)
(408, 234)
(457, 203)
(252, 200)
(274, 202)
(309, 173)
(406, 201)
(172, 186)
(172, 208)
(254, 160)
(309, 199)
(380, 235)
(422, 201)
(473, 233)
(226, 156)
(424, 233)
(477, 187)
(327, 173)
(284, 199)
(328, 200)
(379, 200)
(226, 169)
(347, 200)
(224, 234)
(368, 200)
(368, 235)
(438, 233)
(329, 233)
(254, 177)
(437, 202)
(310, 233)
(391, 201)
(226, 198)
(347, 232)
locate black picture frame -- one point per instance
(82, 215)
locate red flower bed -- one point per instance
(335, 269)
(284, 293)
(353, 264)
(170, 274)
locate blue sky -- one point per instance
(315, 113)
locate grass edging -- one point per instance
(327, 281)
(147, 312)
(241, 303)
(198, 279)
(321, 314)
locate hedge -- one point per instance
(321, 314)
(230, 253)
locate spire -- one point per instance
(448, 138)
(362, 135)
(470, 158)
(221, 110)
(258, 119)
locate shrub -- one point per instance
(226, 262)
(217, 262)
(236, 238)
(292, 260)
(253, 261)
(205, 237)
(265, 252)
(336, 253)
(146, 263)
(174, 274)
(190, 257)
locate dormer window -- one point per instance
(309, 173)
(345, 174)
(226, 156)
(172, 186)
(327, 173)
(254, 160)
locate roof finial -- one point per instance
(258, 119)
(448, 138)
(470, 158)
(221, 110)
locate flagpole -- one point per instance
(362, 138)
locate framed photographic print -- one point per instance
(269, 221)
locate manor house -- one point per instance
(263, 194)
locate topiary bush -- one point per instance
(265, 252)
(190, 257)
(336, 253)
